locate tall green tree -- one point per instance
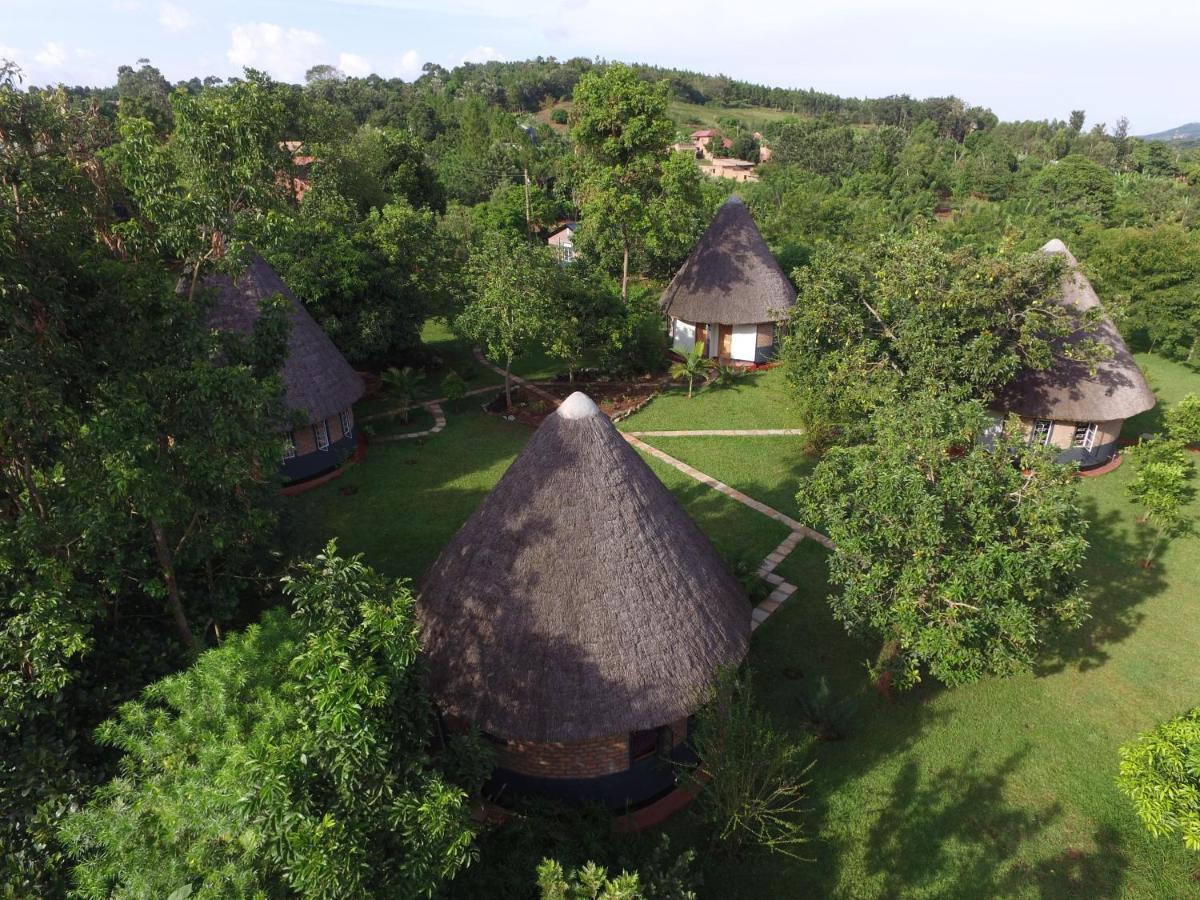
(295, 758)
(912, 313)
(513, 284)
(957, 561)
(620, 129)
(1162, 485)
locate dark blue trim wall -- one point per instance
(644, 781)
(318, 462)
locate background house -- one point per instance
(320, 386)
(730, 294)
(563, 242)
(579, 617)
(1069, 407)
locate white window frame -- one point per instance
(1033, 432)
(321, 433)
(347, 425)
(1088, 440)
(289, 446)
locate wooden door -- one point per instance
(702, 338)
(726, 341)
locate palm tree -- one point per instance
(403, 385)
(694, 366)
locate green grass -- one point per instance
(419, 419)
(454, 354)
(692, 116)
(1004, 788)
(756, 400)
(1170, 381)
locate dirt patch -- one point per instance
(615, 399)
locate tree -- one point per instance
(403, 385)
(694, 365)
(1160, 774)
(750, 784)
(582, 317)
(1078, 117)
(1077, 189)
(911, 314)
(512, 288)
(143, 93)
(620, 128)
(1162, 485)
(958, 562)
(1182, 420)
(295, 758)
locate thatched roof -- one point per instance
(731, 276)
(1068, 391)
(318, 381)
(579, 600)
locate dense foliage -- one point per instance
(292, 759)
(1160, 772)
(960, 559)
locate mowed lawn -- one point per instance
(756, 400)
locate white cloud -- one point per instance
(481, 55)
(175, 18)
(53, 55)
(408, 66)
(284, 52)
(354, 65)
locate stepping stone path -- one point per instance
(439, 422)
(766, 570)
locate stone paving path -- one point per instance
(439, 422)
(781, 590)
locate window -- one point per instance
(1043, 430)
(347, 423)
(1085, 435)
(321, 433)
(289, 446)
(650, 743)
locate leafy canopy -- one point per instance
(960, 560)
(1160, 773)
(294, 758)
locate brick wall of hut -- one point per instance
(582, 759)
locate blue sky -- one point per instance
(1023, 58)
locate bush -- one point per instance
(750, 783)
(1183, 420)
(825, 716)
(558, 116)
(454, 386)
(1160, 773)
(728, 375)
(656, 879)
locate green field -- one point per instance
(1004, 788)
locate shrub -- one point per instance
(750, 782)
(728, 375)
(825, 716)
(1160, 773)
(558, 116)
(454, 386)
(1183, 420)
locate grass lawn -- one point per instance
(757, 400)
(419, 419)
(454, 354)
(1170, 381)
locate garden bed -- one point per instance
(615, 399)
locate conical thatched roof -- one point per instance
(731, 276)
(318, 380)
(579, 600)
(1068, 391)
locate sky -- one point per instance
(1025, 59)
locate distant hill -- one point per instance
(1184, 134)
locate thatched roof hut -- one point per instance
(1068, 391)
(319, 383)
(579, 600)
(731, 276)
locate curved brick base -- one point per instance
(299, 487)
(1103, 469)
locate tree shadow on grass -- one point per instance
(1117, 585)
(954, 834)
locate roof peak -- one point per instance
(578, 406)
